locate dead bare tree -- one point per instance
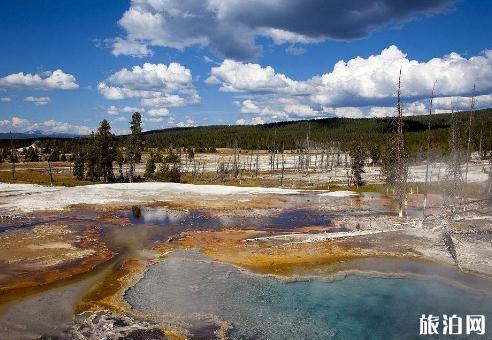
(454, 174)
(480, 143)
(401, 164)
(395, 167)
(427, 179)
(283, 166)
(308, 156)
(489, 189)
(49, 169)
(13, 155)
(257, 161)
(468, 147)
(236, 159)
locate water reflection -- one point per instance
(201, 220)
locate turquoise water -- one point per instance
(191, 286)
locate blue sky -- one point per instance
(234, 62)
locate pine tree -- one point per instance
(120, 160)
(150, 167)
(93, 170)
(135, 142)
(357, 158)
(78, 166)
(31, 155)
(106, 150)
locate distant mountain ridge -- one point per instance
(35, 134)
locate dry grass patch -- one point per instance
(40, 177)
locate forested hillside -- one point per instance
(340, 132)
(373, 131)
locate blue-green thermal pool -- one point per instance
(190, 285)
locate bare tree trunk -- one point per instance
(257, 161)
(480, 144)
(49, 171)
(401, 168)
(283, 167)
(489, 191)
(454, 172)
(428, 149)
(308, 158)
(468, 147)
(13, 155)
(131, 161)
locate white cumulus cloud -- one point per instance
(17, 124)
(130, 47)
(359, 87)
(56, 80)
(162, 112)
(38, 101)
(113, 110)
(155, 85)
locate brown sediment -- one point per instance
(45, 254)
(108, 294)
(308, 229)
(265, 257)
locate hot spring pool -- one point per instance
(190, 285)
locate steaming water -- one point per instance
(357, 307)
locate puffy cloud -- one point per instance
(440, 105)
(252, 121)
(130, 47)
(149, 81)
(235, 76)
(372, 80)
(345, 112)
(113, 110)
(38, 101)
(187, 123)
(154, 119)
(132, 109)
(162, 112)
(17, 124)
(157, 86)
(248, 106)
(462, 103)
(56, 80)
(5, 100)
(295, 50)
(381, 111)
(232, 26)
(358, 87)
(153, 77)
(170, 100)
